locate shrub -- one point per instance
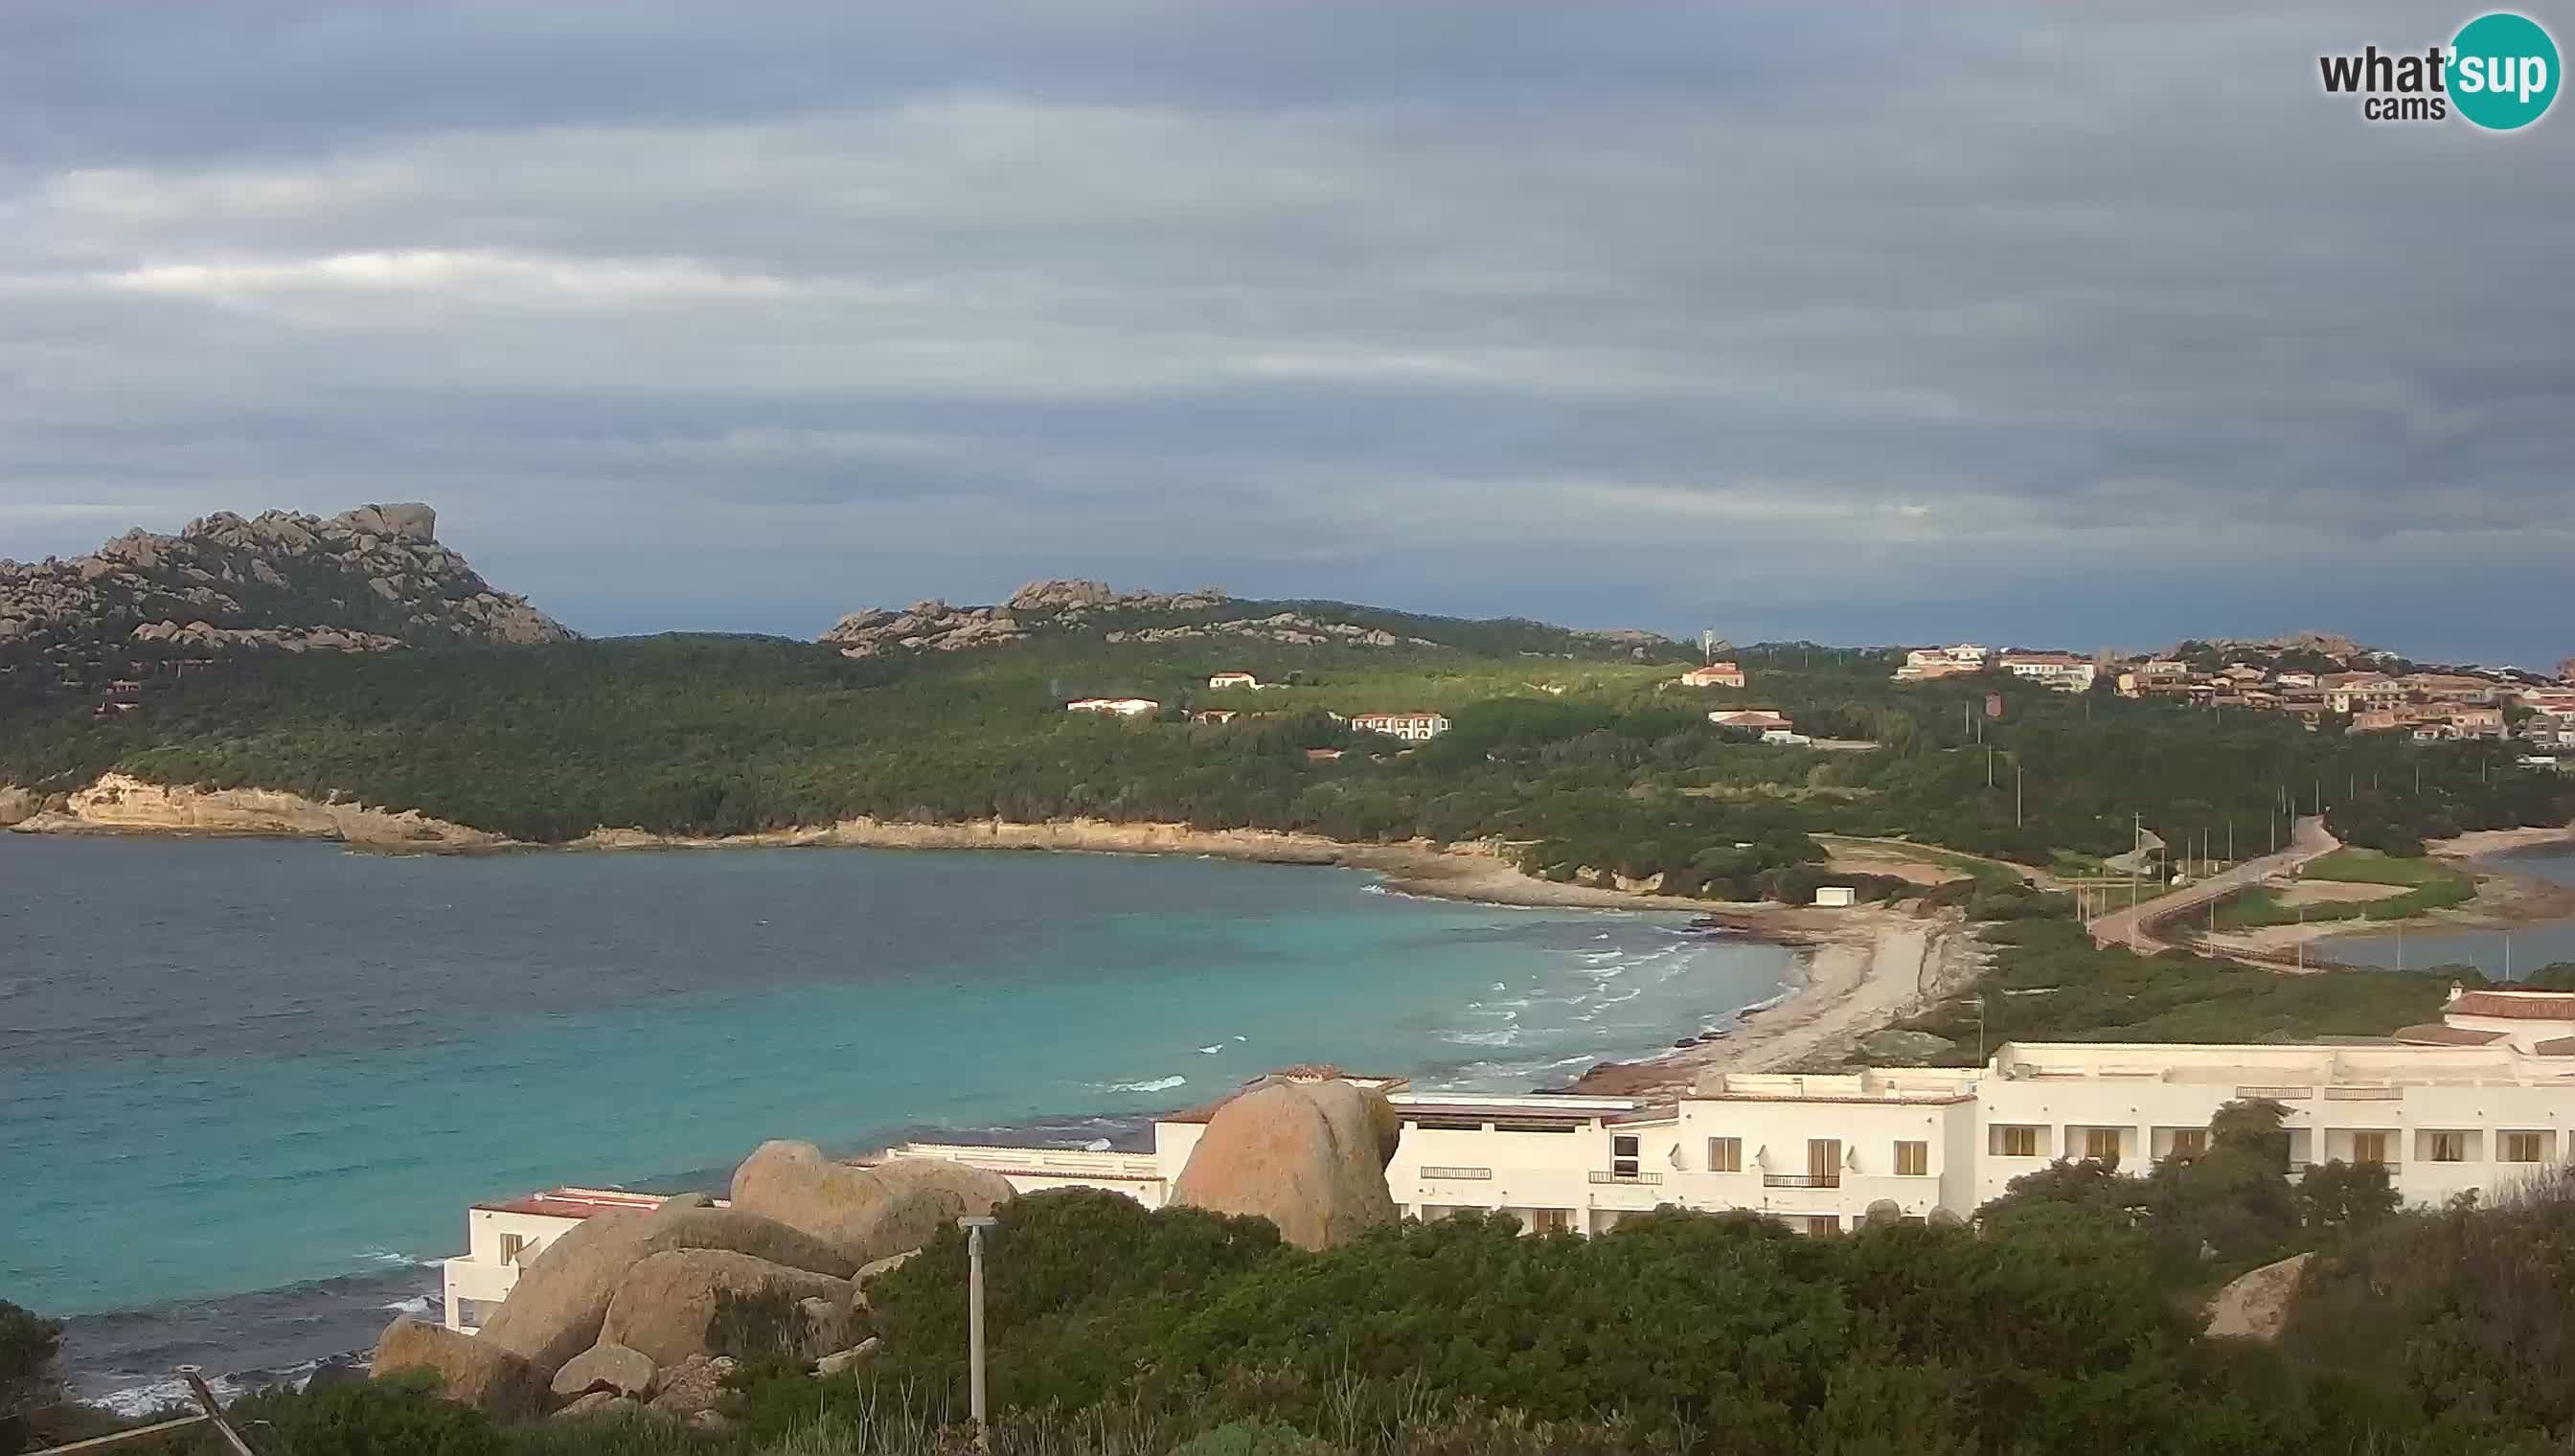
(399, 1416)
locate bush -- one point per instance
(759, 1328)
(398, 1416)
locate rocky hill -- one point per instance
(1042, 608)
(363, 580)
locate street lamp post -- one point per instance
(975, 1226)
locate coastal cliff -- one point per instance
(122, 804)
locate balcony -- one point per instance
(1642, 1179)
(1457, 1174)
(1802, 1180)
(2279, 1094)
(2364, 1094)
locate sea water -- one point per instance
(248, 1087)
(2514, 953)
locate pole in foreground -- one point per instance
(975, 1227)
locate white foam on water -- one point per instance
(1212, 1050)
(1157, 1084)
(1504, 1037)
(417, 1304)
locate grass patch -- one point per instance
(2049, 982)
(1974, 866)
(2354, 865)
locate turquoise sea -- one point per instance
(2501, 954)
(247, 1088)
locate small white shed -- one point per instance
(1837, 896)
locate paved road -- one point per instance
(2134, 927)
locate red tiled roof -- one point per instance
(2515, 1005)
(2434, 1034)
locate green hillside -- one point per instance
(1565, 739)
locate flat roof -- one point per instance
(575, 1202)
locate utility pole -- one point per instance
(975, 1227)
(2019, 774)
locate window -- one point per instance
(2101, 1144)
(1912, 1159)
(1725, 1155)
(2524, 1148)
(1551, 1220)
(2189, 1142)
(511, 1244)
(1622, 1155)
(2369, 1147)
(1823, 1225)
(2447, 1148)
(1823, 1163)
(2016, 1142)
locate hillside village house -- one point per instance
(1714, 674)
(1756, 719)
(2478, 1102)
(1924, 664)
(1411, 727)
(2060, 670)
(1214, 715)
(2360, 692)
(1235, 680)
(1122, 707)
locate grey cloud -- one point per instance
(1876, 319)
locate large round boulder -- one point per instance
(472, 1371)
(562, 1296)
(663, 1303)
(1308, 1157)
(612, 1368)
(866, 1212)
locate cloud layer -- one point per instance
(2046, 326)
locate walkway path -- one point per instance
(2134, 927)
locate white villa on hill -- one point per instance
(1411, 726)
(1235, 680)
(1122, 707)
(2060, 670)
(2479, 1100)
(1714, 674)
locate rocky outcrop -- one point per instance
(363, 580)
(562, 1299)
(614, 1368)
(1040, 606)
(121, 803)
(599, 1403)
(1293, 628)
(693, 1388)
(865, 1212)
(1309, 1156)
(665, 1301)
(2256, 1304)
(18, 805)
(472, 1371)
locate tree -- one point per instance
(2338, 1196)
(29, 1380)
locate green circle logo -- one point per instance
(2502, 71)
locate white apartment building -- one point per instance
(2060, 670)
(1925, 664)
(1411, 727)
(2479, 1101)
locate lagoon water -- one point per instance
(2495, 952)
(247, 1088)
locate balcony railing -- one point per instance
(1802, 1180)
(2279, 1094)
(1475, 1175)
(1609, 1177)
(2364, 1094)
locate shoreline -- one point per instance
(2505, 900)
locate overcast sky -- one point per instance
(2056, 326)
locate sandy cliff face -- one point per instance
(17, 804)
(119, 802)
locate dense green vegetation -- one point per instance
(28, 1347)
(2428, 885)
(1564, 743)
(2065, 1320)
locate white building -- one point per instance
(501, 1237)
(1923, 665)
(2060, 670)
(1714, 674)
(1411, 726)
(1122, 707)
(1235, 680)
(2480, 1101)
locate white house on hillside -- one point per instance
(1413, 726)
(1235, 680)
(1122, 707)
